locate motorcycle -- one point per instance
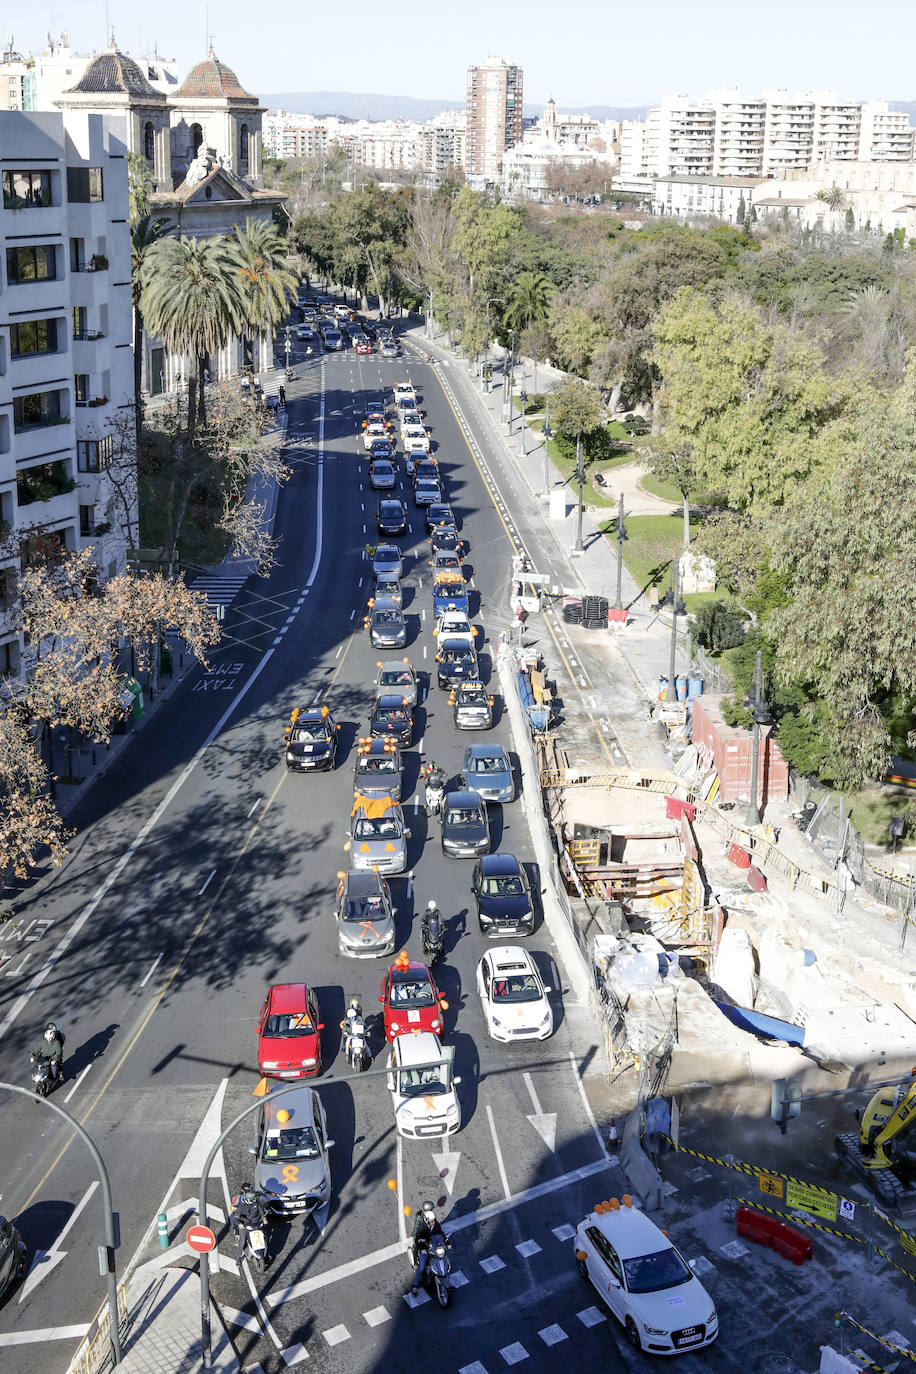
(255, 1244)
(435, 789)
(433, 948)
(438, 1268)
(358, 1055)
(290, 374)
(43, 1081)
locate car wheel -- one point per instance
(633, 1334)
(583, 1269)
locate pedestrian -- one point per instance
(282, 393)
(206, 376)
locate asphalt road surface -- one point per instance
(201, 873)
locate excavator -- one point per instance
(883, 1153)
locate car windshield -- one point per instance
(299, 1143)
(289, 1023)
(423, 1082)
(386, 764)
(503, 887)
(364, 910)
(395, 677)
(410, 991)
(391, 509)
(447, 589)
(518, 987)
(472, 698)
(652, 1273)
(488, 763)
(386, 617)
(377, 828)
(393, 716)
(456, 656)
(461, 817)
(308, 730)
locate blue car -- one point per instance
(449, 594)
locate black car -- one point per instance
(473, 706)
(311, 740)
(13, 1255)
(440, 513)
(456, 662)
(386, 624)
(391, 517)
(392, 716)
(465, 829)
(502, 896)
(382, 448)
(379, 771)
(426, 469)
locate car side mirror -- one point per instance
(612, 1282)
(321, 1025)
(457, 1080)
(443, 1004)
(407, 834)
(329, 1144)
(381, 999)
(252, 1150)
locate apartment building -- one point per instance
(680, 137)
(885, 135)
(738, 133)
(494, 116)
(36, 81)
(66, 362)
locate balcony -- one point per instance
(45, 483)
(87, 335)
(38, 440)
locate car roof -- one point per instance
(362, 884)
(401, 665)
(483, 751)
(386, 550)
(500, 865)
(629, 1230)
(378, 744)
(387, 700)
(393, 501)
(299, 1104)
(287, 996)
(418, 1048)
(510, 958)
(456, 644)
(463, 799)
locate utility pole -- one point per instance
(508, 375)
(523, 397)
(548, 435)
(761, 716)
(672, 670)
(580, 478)
(621, 536)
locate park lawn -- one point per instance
(593, 496)
(871, 809)
(200, 541)
(656, 487)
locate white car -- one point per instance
(645, 1281)
(514, 999)
(415, 440)
(406, 400)
(424, 1099)
(404, 389)
(372, 434)
(455, 625)
(410, 419)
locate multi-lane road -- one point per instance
(201, 873)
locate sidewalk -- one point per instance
(163, 1334)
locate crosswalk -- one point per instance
(219, 588)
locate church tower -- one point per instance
(211, 109)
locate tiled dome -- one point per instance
(114, 73)
(212, 80)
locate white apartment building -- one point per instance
(432, 147)
(66, 362)
(680, 137)
(739, 133)
(37, 81)
(692, 198)
(885, 135)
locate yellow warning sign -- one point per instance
(814, 1200)
(770, 1184)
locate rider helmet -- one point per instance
(50, 1034)
(429, 1211)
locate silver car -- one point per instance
(488, 772)
(365, 919)
(387, 559)
(378, 837)
(292, 1171)
(397, 675)
(379, 769)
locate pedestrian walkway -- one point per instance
(220, 587)
(164, 1330)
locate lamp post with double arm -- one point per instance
(580, 478)
(548, 435)
(621, 536)
(498, 300)
(507, 376)
(523, 397)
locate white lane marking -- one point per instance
(210, 878)
(278, 640)
(499, 1154)
(410, 885)
(423, 614)
(424, 650)
(339, 651)
(44, 1262)
(156, 964)
(48, 1333)
(421, 744)
(352, 614)
(242, 1319)
(79, 1080)
(336, 1335)
(376, 1316)
(416, 805)
(399, 1191)
(545, 1123)
(254, 808)
(294, 1354)
(588, 1108)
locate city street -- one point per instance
(202, 872)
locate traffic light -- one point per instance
(785, 1102)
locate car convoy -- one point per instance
(635, 1268)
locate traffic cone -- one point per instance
(613, 1139)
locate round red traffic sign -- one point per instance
(201, 1238)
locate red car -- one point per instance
(411, 1000)
(364, 346)
(289, 1040)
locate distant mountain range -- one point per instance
(352, 105)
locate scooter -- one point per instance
(435, 789)
(433, 949)
(438, 1267)
(255, 1244)
(358, 1054)
(290, 374)
(43, 1080)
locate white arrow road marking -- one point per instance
(545, 1123)
(46, 1261)
(447, 1165)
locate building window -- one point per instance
(84, 185)
(35, 336)
(149, 141)
(94, 455)
(40, 408)
(35, 263)
(81, 388)
(9, 654)
(243, 150)
(77, 255)
(197, 138)
(25, 190)
(87, 521)
(42, 483)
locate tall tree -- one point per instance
(144, 232)
(529, 301)
(191, 299)
(258, 253)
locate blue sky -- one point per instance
(584, 52)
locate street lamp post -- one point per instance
(486, 340)
(677, 606)
(548, 435)
(580, 478)
(112, 1238)
(508, 376)
(429, 315)
(761, 716)
(621, 536)
(523, 397)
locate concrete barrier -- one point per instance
(644, 1179)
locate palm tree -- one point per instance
(191, 299)
(143, 234)
(834, 198)
(529, 300)
(258, 254)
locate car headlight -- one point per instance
(290, 756)
(655, 1330)
(437, 1024)
(496, 1021)
(309, 1063)
(321, 1186)
(547, 1015)
(394, 1025)
(270, 1064)
(712, 1318)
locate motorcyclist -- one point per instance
(434, 777)
(51, 1048)
(249, 1215)
(425, 1227)
(432, 927)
